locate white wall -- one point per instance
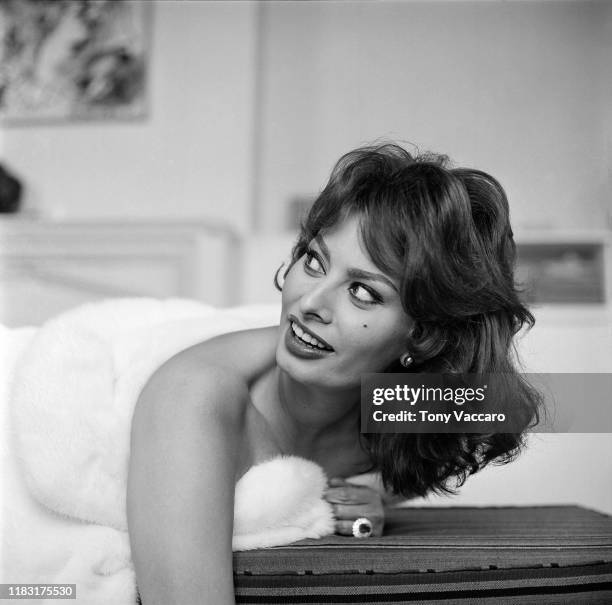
(517, 88)
(191, 157)
(512, 88)
(606, 95)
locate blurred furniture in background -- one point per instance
(564, 266)
(48, 267)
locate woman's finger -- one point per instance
(354, 511)
(344, 527)
(347, 495)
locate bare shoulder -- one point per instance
(244, 354)
(215, 374)
(215, 391)
(181, 388)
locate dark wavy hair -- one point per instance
(444, 233)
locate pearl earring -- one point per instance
(406, 360)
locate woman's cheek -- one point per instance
(381, 346)
(292, 285)
(364, 351)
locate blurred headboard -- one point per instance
(47, 267)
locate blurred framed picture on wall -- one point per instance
(73, 60)
(562, 273)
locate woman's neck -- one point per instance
(307, 419)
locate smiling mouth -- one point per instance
(307, 339)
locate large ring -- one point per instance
(362, 528)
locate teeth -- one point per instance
(307, 338)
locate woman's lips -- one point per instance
(300, 349)
(303, 329)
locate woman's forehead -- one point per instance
(345, 240)
(346, 231)
(365, 240)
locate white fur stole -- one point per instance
(73, 396)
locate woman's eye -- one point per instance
(365, 295)
(312, 262)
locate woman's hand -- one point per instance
(350, 502)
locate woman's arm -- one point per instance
(186, 434)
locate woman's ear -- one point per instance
(279, 276)
(281, 273)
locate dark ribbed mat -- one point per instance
(549, 554)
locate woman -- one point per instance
(401, 265)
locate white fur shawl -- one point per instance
(73, 394)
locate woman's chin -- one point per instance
(315, 377)
(293, 367)
(297, 369)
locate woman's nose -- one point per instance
(317, 303)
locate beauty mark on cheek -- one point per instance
(365, 325)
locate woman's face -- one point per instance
(337, 295)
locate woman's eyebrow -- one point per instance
(361, 274)
(355, 273)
